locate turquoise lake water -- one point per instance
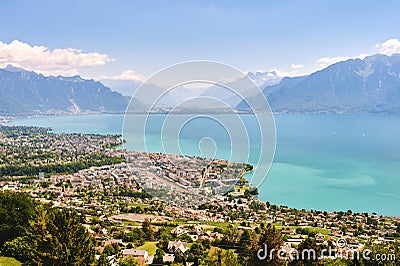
(323, 162)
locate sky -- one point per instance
(134, 39)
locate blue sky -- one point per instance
(144, 36)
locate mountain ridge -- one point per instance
(369, 85)
(26, 92)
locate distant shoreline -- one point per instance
(4, 118)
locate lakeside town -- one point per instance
(166, 209)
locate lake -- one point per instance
(322, 162)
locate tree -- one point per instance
(16, 209)
(134, 234)
(180, 258)
(158, 257)
(112, 249)
(59, 238)
(221, 258)
(260, 244)
(163, 241)
(336, 262)
(244, 238)
(197, 249)
(103, 260)
(129, 260)
(247, 194)
(231, 236)
(148, 230)
(18, 248)
(214, 258)
(229, 259)
(309, 252)
(185, 238)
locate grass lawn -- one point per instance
(9, 262)
(28, 188)
(323, 231)
(150, 246)
(316, 230)
(139, 205)
(219, 224)
(213, 249)
(131, 223)
(242, 189)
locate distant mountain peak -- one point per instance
(12, 68)
(266, 78)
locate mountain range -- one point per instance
(129, 87)
(229, 98)
(25, 92)
(369, 85)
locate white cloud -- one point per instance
(56, 72)
(41, 59)
(295, 70)
(297, 66)
(282, 73)
(389, 47)
(126, 75)
(326, 61)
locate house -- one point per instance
(194, 237)
(289, 232)
(288, 251)
(141, 261)
(136, 253)
(177, 246)
(178, 231)
(197, 230)
(112, 241)
(76, 181)
(10, 187)
(169, 258)
(112, 260)
(319, 238)
(294, 241)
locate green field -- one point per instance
(142, 205)
(131, 223)
(219, 224)
(150, 246)
(5, 261)
(323, 231)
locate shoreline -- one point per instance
(10, 117)
(281, 204)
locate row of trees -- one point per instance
(68, 168)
